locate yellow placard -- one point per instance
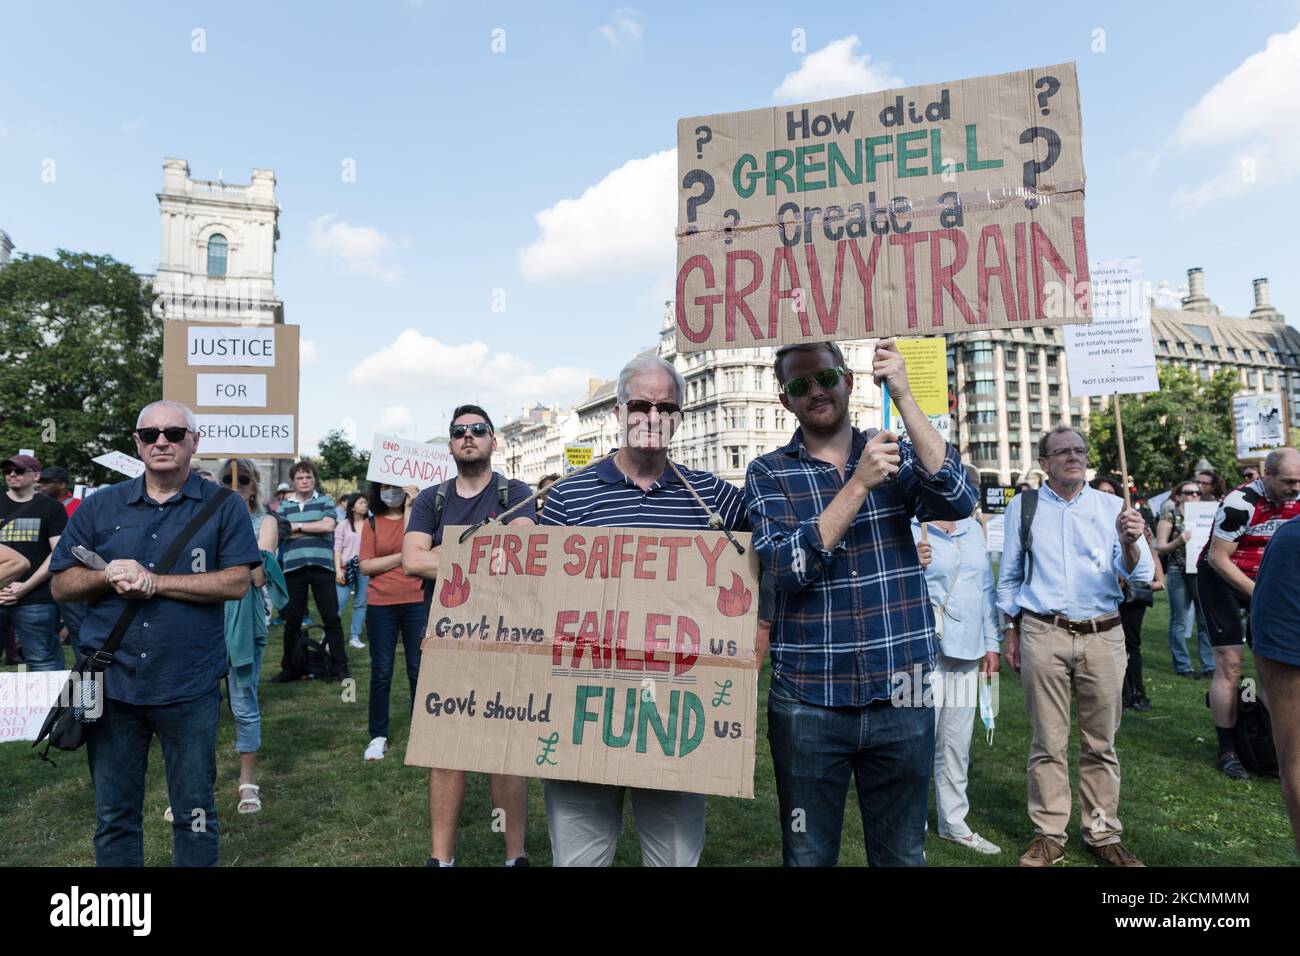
(927, 373)
(577, 456)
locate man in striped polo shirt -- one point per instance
(635, 488)
(309, 565)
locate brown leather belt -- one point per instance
(1076, 627)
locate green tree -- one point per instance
(80, 355)
(340, 463)
(1167, 432)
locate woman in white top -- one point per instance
(347, 562)
(960, 581)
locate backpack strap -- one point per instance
(440, 501)
(503, 490)
(1027, 508)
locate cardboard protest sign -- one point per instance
(946, 207)
(1198, 518)
(927, 377)
(608, 655)
(121, 463)
(1113, 354)
(402, 461)
(240, 380)
(1260, 424)
(997, 497)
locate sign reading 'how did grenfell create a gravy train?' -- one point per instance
(555, 652)
(241, 381)
(934, 209)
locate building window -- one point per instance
(1051, 360)
(985, 387)
(1252, 379)
(1035, 420)
(735, 418)
(217, 247)
(736, 455)
(1013, 419)
(1053, 391)
(1034, 390)
(778, 419)
(735, 380)
(758, 418)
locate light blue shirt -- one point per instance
(1077, 557)
(959, 566)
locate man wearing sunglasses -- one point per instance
(164, 678)
(476, 493)
(635, 488)
(832, 514)
(31, 525)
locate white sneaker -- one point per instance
(977, 843)
(356, 642)
(376, 749)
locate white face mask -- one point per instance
(393, 497)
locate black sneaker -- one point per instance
(434, 862)
(1189, 675)
(1141, 704)
(1231, 766)
(520, 861)
(285, 677)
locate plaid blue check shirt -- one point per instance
(849, 619)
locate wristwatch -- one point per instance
(1009, 626)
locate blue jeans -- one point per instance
(73, 613)
(36, 627)
(243, 705)
(117, 746)
(383, 621)
(1183, 609)
(358, 605)
(888, 750)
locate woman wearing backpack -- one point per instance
(395, 603)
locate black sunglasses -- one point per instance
(14, 470)
(478, 430)
(243, 479)
(826, 378)
(175, 433)
(641, 407)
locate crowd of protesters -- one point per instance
(833, 513)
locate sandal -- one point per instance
(253, 801)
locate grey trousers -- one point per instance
(953, 724)
(585, 819)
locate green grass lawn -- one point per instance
(325, 806)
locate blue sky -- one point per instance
(1191, 144)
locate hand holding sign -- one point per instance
(879, 461)
(889, 368)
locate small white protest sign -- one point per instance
(402, 461)
(25, 699)
(1113, 354)
(1198, 518)
(121, 463)
(246, 391)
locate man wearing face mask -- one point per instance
(635, 488)
(476, 493)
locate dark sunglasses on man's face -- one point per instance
(826, 378)
(640, 406)
(174, 434)
(478, 430)
(12, 470)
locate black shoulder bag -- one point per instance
(81, 701)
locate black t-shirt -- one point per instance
(29, 534)
(468, 511)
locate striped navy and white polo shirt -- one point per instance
(605, 497)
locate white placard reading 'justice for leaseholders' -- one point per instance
(246, 391)
(247, 434)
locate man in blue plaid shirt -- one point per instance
(853, 633)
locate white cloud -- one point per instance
(1254, 111)
(625, 29)
(349, 428)
(308, 353)
(420, 364)
(394, 419)
(359, 247)
(130, 126)
(624, 223)
(834, 70)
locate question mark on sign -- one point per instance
(705, 135)
(1033, 167)
(1052, 84)
(696, 176)
(729, 213)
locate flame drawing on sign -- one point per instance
(455, 590)
(735, 600)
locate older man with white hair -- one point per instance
(157, 557)
(636, 487)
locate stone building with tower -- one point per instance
(217, 259)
